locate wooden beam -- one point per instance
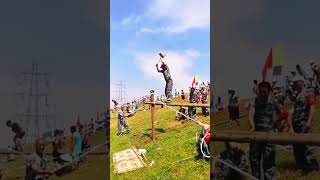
(48, 154)
(179, 104)
(264, 137)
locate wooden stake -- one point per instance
(152, 108)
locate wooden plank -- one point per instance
(264, 137)
(127, 160)
(179, 104)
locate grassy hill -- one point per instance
(284, 160)
(175, 141)
(95, 165)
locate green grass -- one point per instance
(284, 160)
(175, 141)
(95, 166)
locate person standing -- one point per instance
(77, 143)
(121, 122)
(167, 77)
(302, 116)
(183, 96)
(234, 110)
(18, 134)
(262, 119)
(115, 105)
(192, 99)
(204, 100)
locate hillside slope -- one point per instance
(176, 141)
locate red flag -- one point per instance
(193, 82)
(267, 65)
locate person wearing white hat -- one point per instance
(167, 76)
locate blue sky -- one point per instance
(245, 30)
(140, 29)
(67, 40)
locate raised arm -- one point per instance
(158, 68)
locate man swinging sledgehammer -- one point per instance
(167, 76)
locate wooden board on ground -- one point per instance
(127, 160)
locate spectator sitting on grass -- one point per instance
(37, 166)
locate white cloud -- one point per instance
(182, 15)
(132, 19)
(180, 64)
(147, 30)
(173, 16)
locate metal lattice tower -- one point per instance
(121, 92)
(33, 107)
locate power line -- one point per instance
(34, 106)
(120, 92)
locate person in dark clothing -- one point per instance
(183, 96)
(262, 118)
(316, 71)
(115, 103)
(179, 116)
(167, 77)
(57, 145)
(301, 122)
(192, 99)
(19, 134)
(234, 155)
(219, 105)
(204, 100)
(234, 109)
(121, 122)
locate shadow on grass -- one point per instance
(147, 132)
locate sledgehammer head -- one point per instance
(162, 54)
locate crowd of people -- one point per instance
(289, 108)
(197, 94)
(67, 147)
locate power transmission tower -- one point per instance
(120, 92)
(33, 107)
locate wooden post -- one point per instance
(152, 108)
